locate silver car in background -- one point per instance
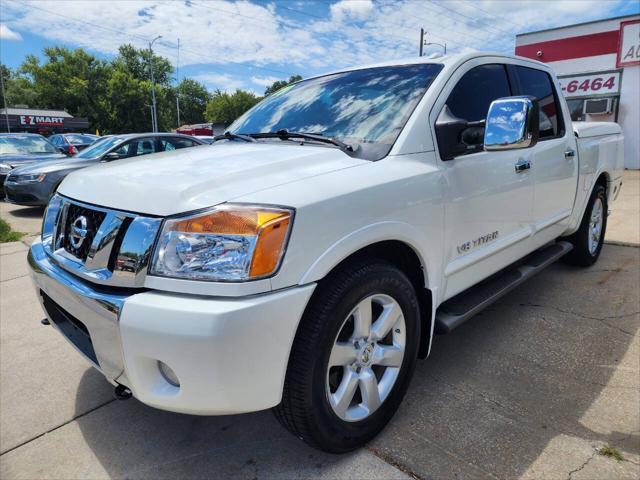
(33, 185)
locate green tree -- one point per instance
(19, 90)
(225, 108)
(136, 62)
(194, 97)
(128, 100)
(68, 79)
(275, 86)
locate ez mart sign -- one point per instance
(38, 120)
(591, 84)
(629, 44)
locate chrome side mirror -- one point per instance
(512, 122)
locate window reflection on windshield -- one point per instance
(370, 105)
(25, 144)
(99, 148)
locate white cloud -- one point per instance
(264, 81)
(221, 81)
(271, 42)
(7, 34)
(354, 9)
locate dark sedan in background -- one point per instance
(72, 143)
(19, 149)
(33, 185)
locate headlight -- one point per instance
(4, 168)
(32, 177)
(229, 243)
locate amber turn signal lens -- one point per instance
(230, 221)
(269, 247)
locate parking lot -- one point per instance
(531, 388)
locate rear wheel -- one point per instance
(352, 358)
(588, 240)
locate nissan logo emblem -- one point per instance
(78, 232)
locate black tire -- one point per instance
(581, 254)
(305, 409)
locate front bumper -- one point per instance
(29, 194)
(229, 354)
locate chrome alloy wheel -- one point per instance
(595, 225)
(366, 358)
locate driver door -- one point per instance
(488, 205)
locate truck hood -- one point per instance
(180, 181)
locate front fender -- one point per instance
(361, 238)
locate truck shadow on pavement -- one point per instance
(552, 362)
(26, 212)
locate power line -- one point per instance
(493, 15)
(456, 12)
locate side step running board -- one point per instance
(457, 310)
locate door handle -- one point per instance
(523, 165)
(569, 153)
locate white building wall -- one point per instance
(629, 108)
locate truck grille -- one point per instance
(101, 245)
(74, 244)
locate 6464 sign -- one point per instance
(592, 84)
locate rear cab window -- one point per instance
(539, 84)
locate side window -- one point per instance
(166, 146)
(471, 97)
(123, 150)
(55, 140)
(179, 142)
(145, 146)
(538, 84)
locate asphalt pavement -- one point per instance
(532, 387)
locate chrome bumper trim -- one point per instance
(98, 311)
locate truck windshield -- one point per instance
(366, 108)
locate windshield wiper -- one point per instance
(285, 134)
(230, 136)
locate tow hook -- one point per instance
(122, 392)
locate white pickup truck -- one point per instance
(306, 259)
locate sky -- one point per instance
(249, 44)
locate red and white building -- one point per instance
(598, 65)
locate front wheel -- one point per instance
(352, 358)
(588, 240)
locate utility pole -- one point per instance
(421, 42)
(4, 98)
(178, 84)
(153, 86)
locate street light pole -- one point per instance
(4, 98)
(178, 84)
(153, 85)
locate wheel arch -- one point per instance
(397, 250)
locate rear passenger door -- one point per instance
(553, 167)
(488, 209)
(176, 143)
(137, 147)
